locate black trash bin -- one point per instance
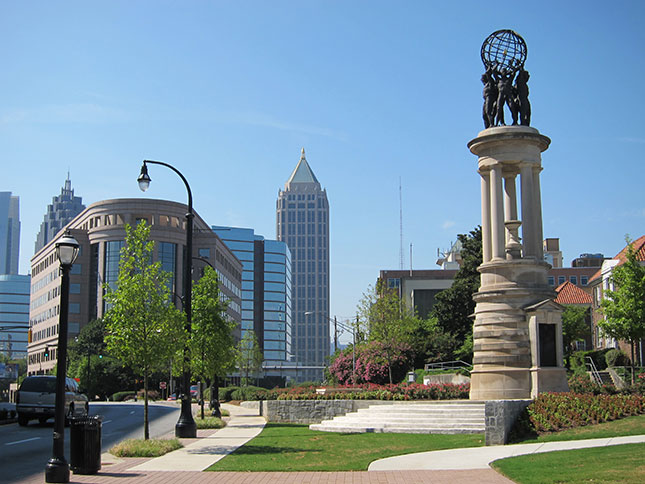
(85, 444)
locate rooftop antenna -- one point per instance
(401, 257)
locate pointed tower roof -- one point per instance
(303, 172)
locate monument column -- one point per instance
(497, 213)
(517, 342)
(485, 188)
(528, 211)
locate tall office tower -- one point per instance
(266, 294)
(60, 212)
(9, 233)
(302, 221)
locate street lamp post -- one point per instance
(186, 426)
(57, 469)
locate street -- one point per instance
(24, 451)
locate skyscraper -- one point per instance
(266, 294)
(9, 233)
(60, 212)
(302, 221)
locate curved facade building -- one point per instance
(100, 230)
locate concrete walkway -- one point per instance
(481, 457)
(204, 452)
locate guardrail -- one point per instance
(449, 365)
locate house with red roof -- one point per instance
(601, 282)
(568, 294)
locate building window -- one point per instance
(551, 281)
(561, 280)
(74, 288)
(393, 283)
(74, 308)
(573, 280)
(168, 259)
(584, 280)
(76, 269)
(204, 253)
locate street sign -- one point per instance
(162, 385)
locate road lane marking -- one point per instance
(21, 441)
(107, 422)
(132, 412)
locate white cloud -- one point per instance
(448, 224)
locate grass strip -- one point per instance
(292, 447)
(612, 464)
(209, 422)
(145, 448)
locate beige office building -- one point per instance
(100, 231)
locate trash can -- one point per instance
(85, 444)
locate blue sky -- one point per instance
(229, 92)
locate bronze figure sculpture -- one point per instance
(503, 54)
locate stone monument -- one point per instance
(517, 334)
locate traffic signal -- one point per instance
(29, 336)
(46, 353)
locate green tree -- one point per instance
(454, 306)
(575, 326)
(212, 346)
(143, 328)
(390, 322)
(624, 306)
(88, 345)
(249, 355)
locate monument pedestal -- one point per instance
(517, 333)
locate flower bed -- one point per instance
(557, 411)
(405, 391)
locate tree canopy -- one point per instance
(624, 305)
(143, 328)
(212, 345)
(249, 356)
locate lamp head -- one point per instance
(67, 249)
(144, 179)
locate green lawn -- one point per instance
(619, 463)
(291, 447)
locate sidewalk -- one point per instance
(481, 457)
(184, 466)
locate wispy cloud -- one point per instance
(448, 224)
(632, 140)
(65, 113)
(262, 119)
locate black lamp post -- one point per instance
(186, 426)
(57, 469)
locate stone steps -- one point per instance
(428, 418)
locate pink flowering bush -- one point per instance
(371, 361)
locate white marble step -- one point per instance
(412, 417)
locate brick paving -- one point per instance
(120, 474)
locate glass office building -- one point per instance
(9, 233)
(266, 292)
(14, 315)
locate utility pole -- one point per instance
(335, 335)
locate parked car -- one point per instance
(36, 399)
(194, 391)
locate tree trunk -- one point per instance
(201, 397)
(633, 346)
(214, 404)
(146, 427)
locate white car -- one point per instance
(36, 399)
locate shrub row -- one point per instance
(404, 391)
(557, 411)
(241, 393)
(122, 396)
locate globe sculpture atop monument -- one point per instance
(504, 49)
(503, 54)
